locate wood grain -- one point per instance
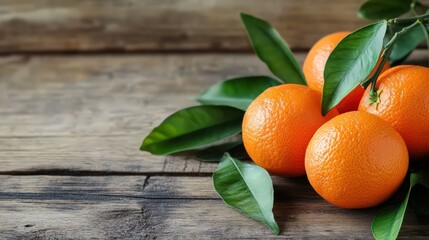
(90, 113)
(139, 207)
(151, 25)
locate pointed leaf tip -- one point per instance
(193, 127)
(270, 47)
(246, 188)
(237, 92)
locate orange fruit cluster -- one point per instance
(354, 157)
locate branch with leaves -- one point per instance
(211, 131)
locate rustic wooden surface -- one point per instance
(90, 113)
(174, 207)
(70, 168)
(152, 25)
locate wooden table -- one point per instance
(83, 81)
(70, 130)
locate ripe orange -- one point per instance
(314, 66)
(356, 160)
(404, 104)
(278, 125)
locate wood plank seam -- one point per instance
(5, 196)
(68, 172)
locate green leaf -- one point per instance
(238, 92)
(351, 62)
(384, 9)
(246, 188)
(420, 200)
(193, 127)
(215, 153)
(405, 44)
(388, 221)
(273, 50)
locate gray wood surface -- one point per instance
(140, 207)
(153, 25)
(70, 168)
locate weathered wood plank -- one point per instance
(135, 25)
(69, 95)
(91, 112)
(136, 207)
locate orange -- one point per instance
(356, 160)
(278, 125)
(404, 104)
(314, 66)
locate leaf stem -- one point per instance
(388, 48)
(400, 33)
(424, 18)
(385, 57)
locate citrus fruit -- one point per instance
(404, 103)
(314, 66)
(356, 160)
(278, 125)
